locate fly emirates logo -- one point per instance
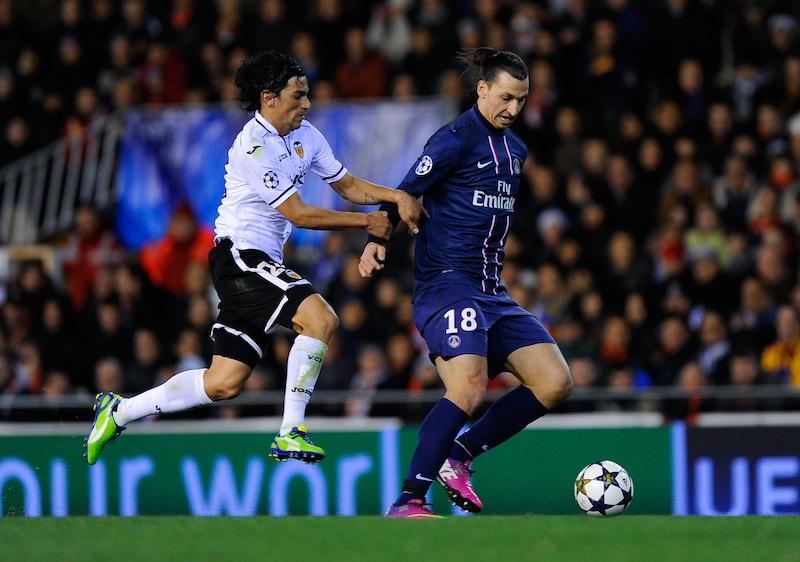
(502, 200)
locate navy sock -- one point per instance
(436, 436)
(504, 419)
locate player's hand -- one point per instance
(372, 259)
(378, 224)
(410, 210)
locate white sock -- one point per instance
(302, 371)
(183, 391)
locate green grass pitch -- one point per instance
(492, 538)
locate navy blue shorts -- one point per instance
(456, 320)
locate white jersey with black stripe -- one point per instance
(264, 169)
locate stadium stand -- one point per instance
(656, 234)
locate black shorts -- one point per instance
(256, 293)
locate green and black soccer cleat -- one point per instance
(104, 429)
(296, 444)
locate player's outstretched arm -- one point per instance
(372, 259)
(362, 192)
(302, 215)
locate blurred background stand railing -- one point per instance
(416, 403)
(41, 192)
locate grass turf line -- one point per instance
(494, 538)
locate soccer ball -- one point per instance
(603, 489)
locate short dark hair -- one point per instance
(267, 70)
(485, 63)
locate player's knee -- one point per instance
(329, 324)
(562, 387)
(221, 387)
(470, 393)
(475, 399)
(224, 391)
(566, 388)
(321, 326)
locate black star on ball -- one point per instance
(600, 505)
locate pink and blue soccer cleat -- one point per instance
(414, 509)
(455, 477)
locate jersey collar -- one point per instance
(266, 124)
(491, 129)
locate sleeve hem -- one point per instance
(291, 190)
(337, 176)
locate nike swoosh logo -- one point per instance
(98, 432)
(421, 477)
(482, 165)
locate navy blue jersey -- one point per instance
(468, 174)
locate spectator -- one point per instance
(753, 321)
(691, 380)
(57, 340)
(370, 374)
(745, 377)
(363, 74)
(672, 354)
(584, 376)
(88, 248)
(188, 351)
(271, 28)
(782, 357)
(30, 368)
(185, 242)
(142, 371)
(423, 62)
(56, 385)
(714, 353)
(620, 381)
(656, 222)
(11, 381)
(110, 337)
(162, 77)
(108, 376)
(389, 29)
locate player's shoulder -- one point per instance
(446, 136)
(515, 138)
(256, 143)
(306, 129)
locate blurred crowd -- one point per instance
(656, 229)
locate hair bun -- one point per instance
(481, 54)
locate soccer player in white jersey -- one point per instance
(267, 164)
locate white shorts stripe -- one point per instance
(272, 318)
(277, 281)
(241, 334)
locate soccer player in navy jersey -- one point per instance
(468, 176)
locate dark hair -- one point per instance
(486, 63)
(267, 70)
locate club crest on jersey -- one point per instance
(298, 148)
(517, 166)
(425, 165)
(454, 341)
(270, 180)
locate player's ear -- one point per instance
(268, 97)
(483, 88)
